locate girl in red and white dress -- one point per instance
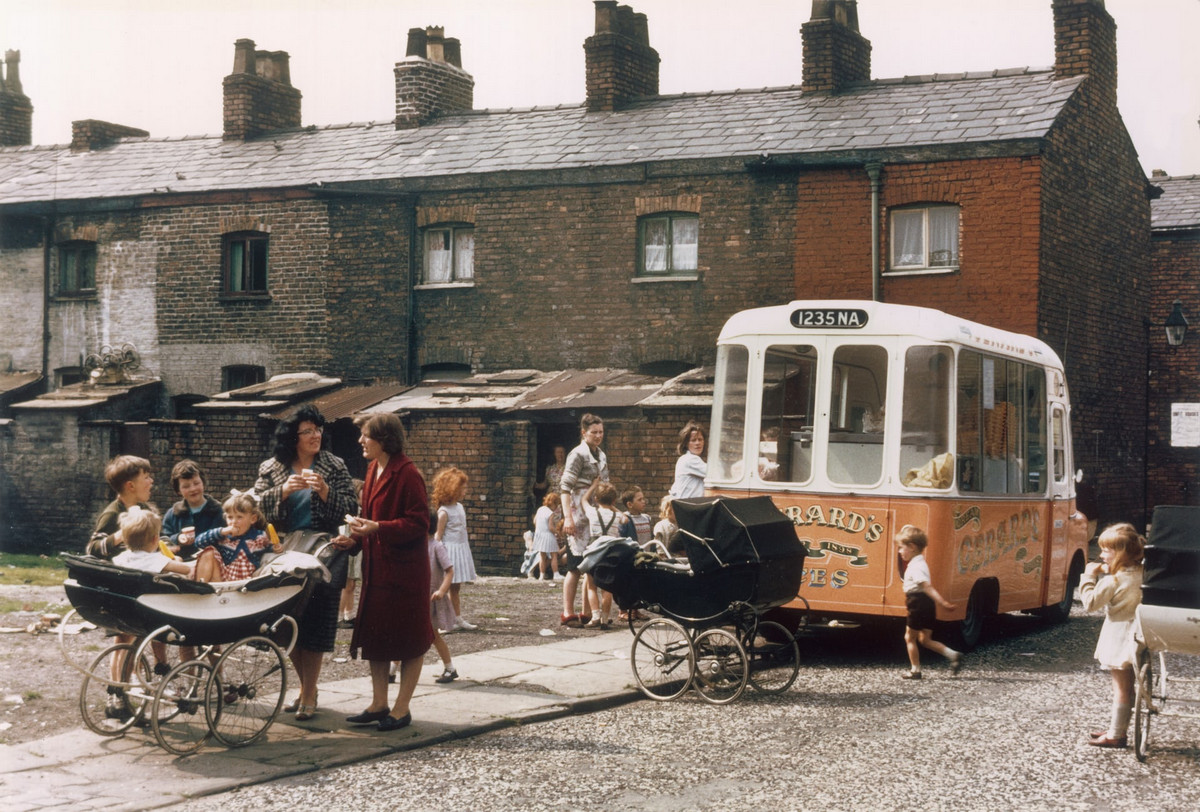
(234, 552)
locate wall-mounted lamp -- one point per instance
(1176, 325)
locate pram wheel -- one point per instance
(111, 702)
(246, 691)
(177, 716)
(1143, 704)
(774, 657)
(79, 648)
(662, 659)
(721, 667)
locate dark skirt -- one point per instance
(921, 610)
(318, 624)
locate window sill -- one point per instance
(264, 296)
(76, 295)
(921, 271)
(645, 280)
(443, 285)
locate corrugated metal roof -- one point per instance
(344, 402)
(910, 114)
(590, 389)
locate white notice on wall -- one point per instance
(1185, 425)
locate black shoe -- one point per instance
(390, 722)
(448, 675)
(162, 669)
(367, 717)
(911, 675)
(346, 624)
(956, 663)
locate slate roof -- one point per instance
(1178, 207)
(900, 114)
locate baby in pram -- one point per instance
(140, 529)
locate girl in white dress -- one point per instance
(546, 522)
(1118, 592)
(449, 489)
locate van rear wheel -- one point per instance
(980, 607)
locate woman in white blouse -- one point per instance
(690, 468)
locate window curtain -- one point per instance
(464, 254)
(437, 256)
(943, 236)
(237, 267)
(655, 245)
(684, 238)
(908, 247)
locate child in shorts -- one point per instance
(139, 530)
(920, 598)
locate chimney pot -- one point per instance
(416, 43)
(453, 50)
(434, 50)
(12, 78)
(243, 56)
(606, 16)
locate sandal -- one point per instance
(294, 705)
(305, 712)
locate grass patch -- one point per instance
(9, 606)
(34, 570)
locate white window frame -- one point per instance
(922, 259)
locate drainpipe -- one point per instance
(47, 240)
(874, 172)
(409, 375)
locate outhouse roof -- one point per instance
(1178, 207)
(916, 117)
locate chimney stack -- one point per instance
(621, 65)
(259, 97)
(91, 134)
(16, 112)
(835, 54)
(430, 81)
(1085, 44)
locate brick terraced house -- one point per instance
(520, 267)
(1173, 372)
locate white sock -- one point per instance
(448, 666)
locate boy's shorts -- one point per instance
(573, 561)
(921, 610)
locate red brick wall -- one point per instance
(998, 249)
(1173, 473)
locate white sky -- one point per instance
(158, 64)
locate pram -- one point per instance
(743, 558)
(1168, 620)
(234, 696)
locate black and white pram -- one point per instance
(167, 672)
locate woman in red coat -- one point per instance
(393, 622)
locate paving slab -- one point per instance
(499, 688)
